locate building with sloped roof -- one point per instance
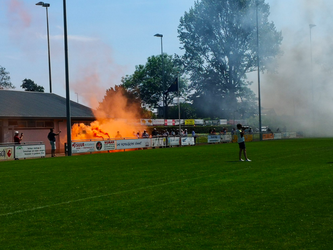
(34, 113)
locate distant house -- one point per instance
(34, 113)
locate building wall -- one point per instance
(37, 134)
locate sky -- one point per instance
(107, 39)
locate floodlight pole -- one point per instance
(46, 5)
(163, 77)
(258, 65)
(68, 107)
(180, 126)
(312, 88)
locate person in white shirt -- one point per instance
(241, 142)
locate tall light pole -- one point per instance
(68, 101)
(312, 89)
(258, 65)
(163, 78)
(46, 5)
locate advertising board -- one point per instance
(187, 141)
(173, 141)
(226, 138)
(189, 122)
(6, 153)
(158, 142)
(86, 147)
(109, 145)
(138, 143)
(29, 151)
(214, 138)
(277, 136)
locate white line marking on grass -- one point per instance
(115, 193)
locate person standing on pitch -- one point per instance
(51, 136)
(241, 142)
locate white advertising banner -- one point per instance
(223, 122)
(285, 135)
(214, 138)
(173, 141)
(29, 151)
(277, 136)
(187, 141)
(6, 153)
(158, 142)
(88, 146)
(138, 143)
(199, 122)
(109, 145)
(292, 135)
(181, 122)
(226, 138)
(158, 122)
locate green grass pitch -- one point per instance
(175, 198)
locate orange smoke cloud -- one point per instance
(114, 111)
(23, 27)
(18, 15)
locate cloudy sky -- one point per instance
(108, 38)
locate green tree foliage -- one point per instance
(220, 42)
(5, 79)
(147, 82)
(187, 111)
(30, 85)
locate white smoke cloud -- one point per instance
(301, 87)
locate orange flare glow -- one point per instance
(115, 113)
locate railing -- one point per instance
(129, 143)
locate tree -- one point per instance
(147, 82)
(29, 85)
(186, 111)
(5, 79)
(220, 43)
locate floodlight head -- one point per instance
(43, 4)
(312, 25)
(158, 35)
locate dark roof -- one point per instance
(25, 104)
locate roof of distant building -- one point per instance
(27, 104)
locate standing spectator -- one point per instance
(17, 138)
(52, 138)
(118, 135)
(145, 134)
(154, 133)
(241, 142)
(194, 136)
